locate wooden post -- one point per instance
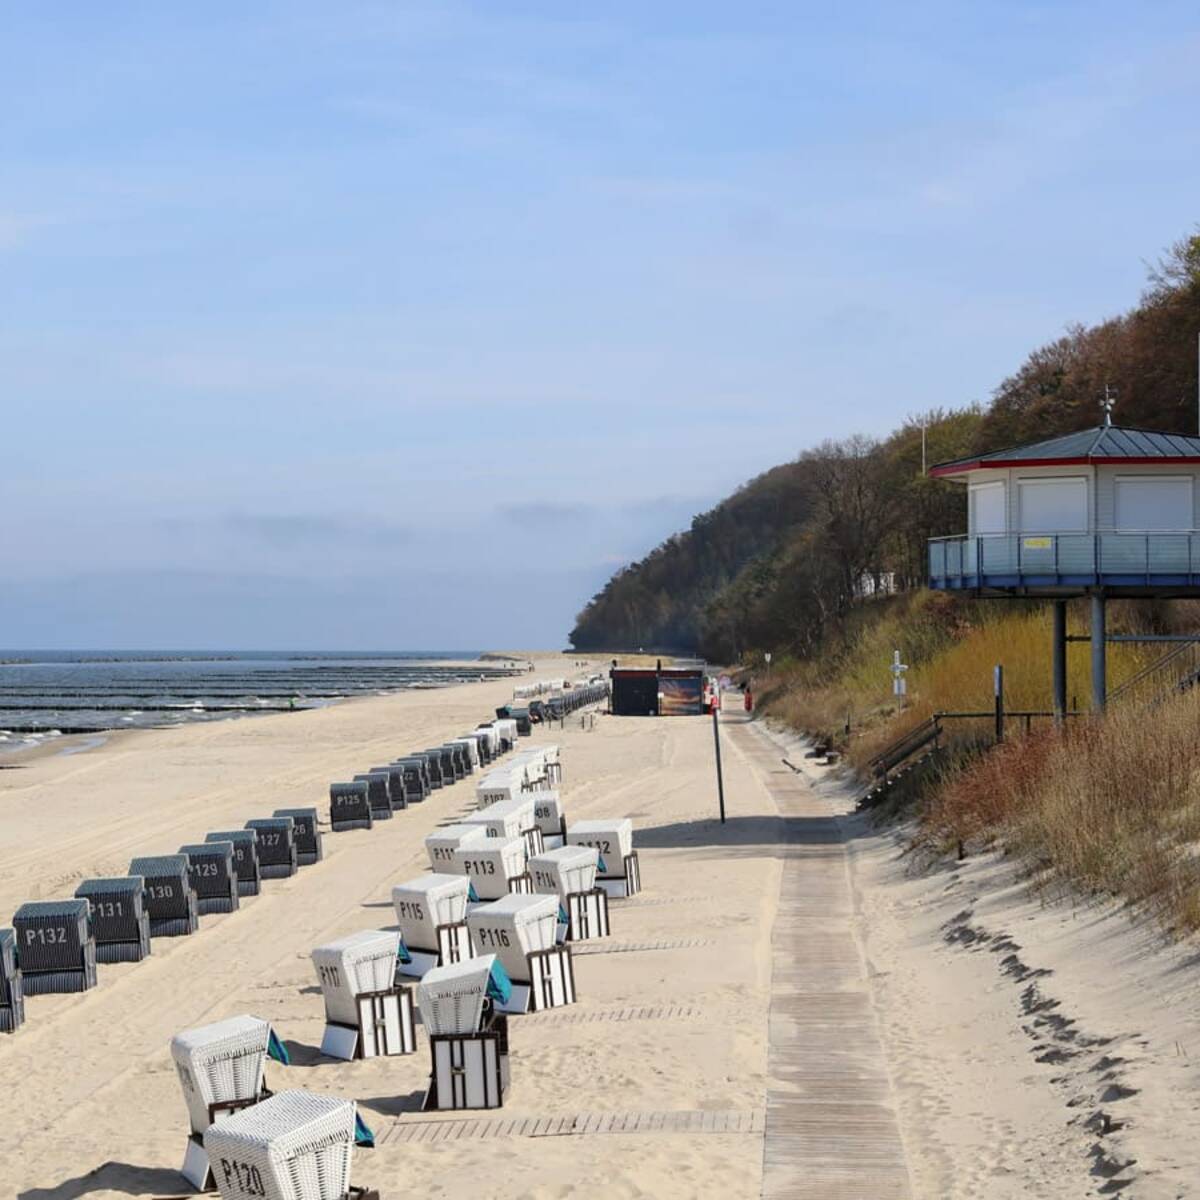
(720, 780)
(998, 681)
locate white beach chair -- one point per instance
(494, 867)
(496, 785)
(431, 911)
(522, 931)
(620, 873)
(221, 1071)
(441, 843)
(548, 815)
(367, 1014)
(294, 1146)
(510, 818)
(468, 1040)
(570, 873)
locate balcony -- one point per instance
(1016, 563)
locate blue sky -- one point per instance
(397, 325)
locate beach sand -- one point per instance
(92, 1103)
(1035, 1047)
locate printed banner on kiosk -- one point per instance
(680, 697)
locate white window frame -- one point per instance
(988, 485)
(1035, 481)
(1144, 477)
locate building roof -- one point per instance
(1104, 444)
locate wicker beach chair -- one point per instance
(367, 1014)
(54, 947)
(245, 858)
(570, 873)
(170, 898)
(221, 1071)
(12, 992)
(350, 806)
(120, 923)
(494, 867)
(620, 873)
(522, 931)
(276, 846)
(379, 793)
(213, 876)
(431, 912)
(293, 1146)
(307, 834)
(468, 1039)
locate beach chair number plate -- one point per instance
(247, 1179)
(493, 938)
(55, 936)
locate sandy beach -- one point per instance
(93, 1104)
(1018, 1047)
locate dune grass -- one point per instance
(1111, 806)
(951, 647)
(1107, 805)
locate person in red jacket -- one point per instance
(749, 700)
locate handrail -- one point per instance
(906, 746)
(1151, 669)
(1140, 553)
(916, 729)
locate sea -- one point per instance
(51, 694)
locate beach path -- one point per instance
(831, 1126)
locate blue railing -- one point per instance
(1014, 559)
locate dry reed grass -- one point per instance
(951, 647)
(1110, 806)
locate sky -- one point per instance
(403, 326)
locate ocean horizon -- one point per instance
(46, 694)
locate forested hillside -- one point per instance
(778, 565)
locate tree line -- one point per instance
(779, 564)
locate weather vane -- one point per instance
(1110, 399)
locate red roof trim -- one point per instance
(1098, 461)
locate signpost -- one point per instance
(899, 684)
(720, 781)
(767, 656)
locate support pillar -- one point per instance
(1059, 658)
(1099, 646)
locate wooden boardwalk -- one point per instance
(831, 1131)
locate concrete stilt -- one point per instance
(1099, 646)
(1059, 656)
